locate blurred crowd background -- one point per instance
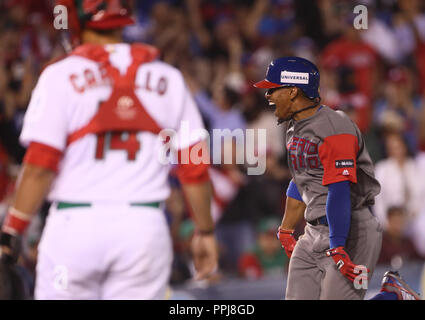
(377, 76)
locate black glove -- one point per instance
(13, 245)
(11, 283)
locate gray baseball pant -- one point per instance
(313, 276)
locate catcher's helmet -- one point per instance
(97, 14)
(294, 72)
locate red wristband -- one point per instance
(16, 222)
(287, 231)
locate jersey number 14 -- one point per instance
(126, 141)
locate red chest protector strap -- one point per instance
(123, 111)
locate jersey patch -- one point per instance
(344, 163)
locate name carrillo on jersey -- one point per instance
(247, 147)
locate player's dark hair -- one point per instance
(108, 32)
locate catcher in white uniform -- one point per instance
(93, 135)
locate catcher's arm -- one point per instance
(33, 184)
(199, 197)
(204, 246)
(197, 190)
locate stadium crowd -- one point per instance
(376, 75)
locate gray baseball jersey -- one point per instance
(323, 149)
(327, 148)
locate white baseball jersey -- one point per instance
(67, 97)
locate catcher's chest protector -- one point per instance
(123, 111)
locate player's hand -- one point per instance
(286, 238)
(205, 255)
(12, 286)
(344, 264)
(9, 248)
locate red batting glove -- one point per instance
(286, 238)
(344, 264)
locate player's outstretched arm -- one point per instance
(294, 212)
(204, 245)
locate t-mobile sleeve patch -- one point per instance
(348, 163)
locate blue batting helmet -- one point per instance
(294, 72)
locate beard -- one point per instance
(285, 117)
(282, 120)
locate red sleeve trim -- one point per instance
(194, 163)
(15, 222)
(43, 156)
(338, 155)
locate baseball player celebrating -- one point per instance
(333, 187)
(92, 130)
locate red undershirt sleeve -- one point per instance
(190, 171)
